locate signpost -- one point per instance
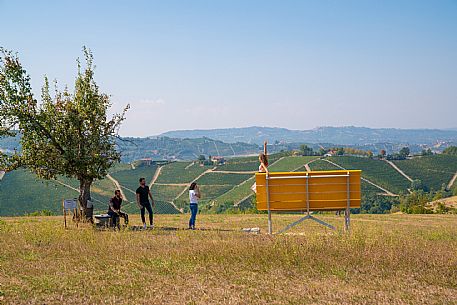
(70, 205)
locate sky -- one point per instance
(195, 64)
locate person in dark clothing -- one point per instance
(142, 199)
(114, 209)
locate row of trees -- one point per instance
(66, 133)
(305, 150)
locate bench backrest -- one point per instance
(322, 190)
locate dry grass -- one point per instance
(391, 259)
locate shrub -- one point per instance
(41, 213)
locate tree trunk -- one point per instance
(84, 196)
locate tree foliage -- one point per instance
(305, 150)
(68, 133)
(415, 203)
(451, 150)
(404, 152)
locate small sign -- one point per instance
(69, 204)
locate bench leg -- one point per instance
(303, 219)
(347, 220)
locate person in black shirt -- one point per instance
(114, 209)
(142, 199)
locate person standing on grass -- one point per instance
(115, 209)
(194, 196)
(142, 199)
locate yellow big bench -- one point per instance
(308, 191)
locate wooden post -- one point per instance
(347, 213)
(64, 213)
(270, 224)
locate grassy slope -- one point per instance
(433, 171)
(166, 192)
(129, 178)
(289, 164)
(180, 172)
(243, 190)
(222, 179)
(321, 165)
(21, 192)
(387, 259)
(239, 166)
(376, 171)
(220, 187)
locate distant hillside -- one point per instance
(188, 144)
(180, 149)
(225, 186)
(159, 148)
(337, 135)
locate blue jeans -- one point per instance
(193, 214)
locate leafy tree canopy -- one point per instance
(67, 133)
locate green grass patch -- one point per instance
(215, 178)
(288, 164)
(180, 172)
(129, 178)
(376, 171)
(433, 171)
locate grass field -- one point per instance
(387, 259)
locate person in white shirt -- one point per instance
(194, 196)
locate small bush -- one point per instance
(41, 213)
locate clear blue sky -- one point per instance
(211, 64)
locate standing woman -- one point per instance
(263, 167)
(194, 196)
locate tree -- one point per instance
(201, 158)
(66, 134)
(404, 152)
(451, 150)
(417, 184)
(383, 152)
(306, 151)
(340, 151)
(415, 203)
(322, 151)
(426, 152)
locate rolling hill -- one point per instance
(162, 148)
(223, 186)
(348, 135)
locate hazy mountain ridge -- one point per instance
(348, 135)
(188, 144)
